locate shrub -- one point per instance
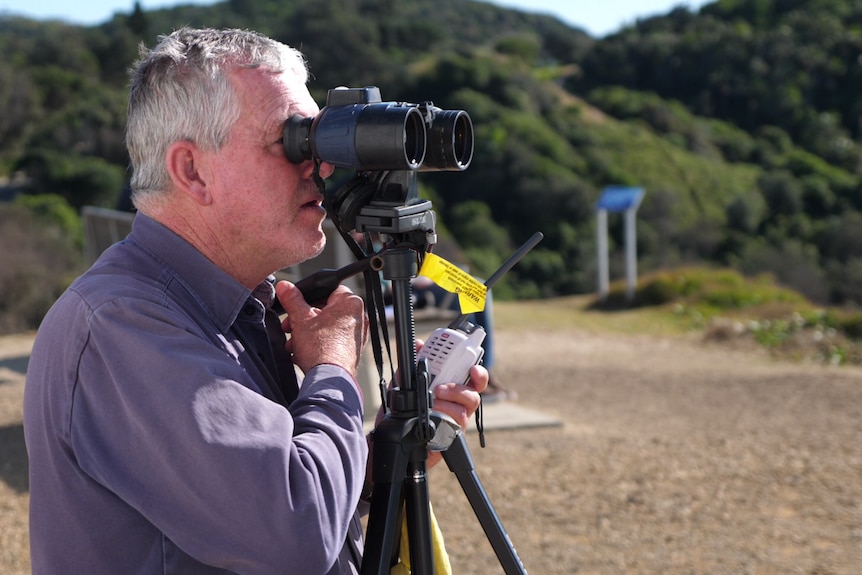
(35, 273)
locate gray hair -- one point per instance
(180, 91)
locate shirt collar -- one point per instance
(219, 293)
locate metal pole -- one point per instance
(602, 243)
(631, 254)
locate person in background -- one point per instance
(171, 424)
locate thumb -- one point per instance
(290, 297)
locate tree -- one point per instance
(21, 111)
(781, 192)
(80, 180)
(138, 22)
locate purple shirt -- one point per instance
(155, 443)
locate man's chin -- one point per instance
(316, 247)
(319, 246)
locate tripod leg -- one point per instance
(384, 529)
(419, 519)
(400, 480)
(460, 463)
(388, 470)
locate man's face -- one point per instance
(270, 209)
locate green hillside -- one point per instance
(741, 121)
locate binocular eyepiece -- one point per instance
(357, 130)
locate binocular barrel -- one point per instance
(449, 142)
(382, 136)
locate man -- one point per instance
(166, 429)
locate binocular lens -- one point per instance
(450, 142)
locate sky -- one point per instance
(597, 18)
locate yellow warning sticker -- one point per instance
(471, 292)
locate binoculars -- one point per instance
(357, 130)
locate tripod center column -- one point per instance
(400, 266)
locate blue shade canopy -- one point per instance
(619, 198)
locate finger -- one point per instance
(458, 394)
(339, 293)
(366, 328)
(291, 298)
(478, 380)
(456, 410)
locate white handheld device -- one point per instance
(451, 353)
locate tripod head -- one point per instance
(387, 205)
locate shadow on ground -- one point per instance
(16, 364)
(14, 467)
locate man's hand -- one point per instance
(459, 402)
(334, 334)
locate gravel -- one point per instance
(675, 456)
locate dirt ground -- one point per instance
(675, 457)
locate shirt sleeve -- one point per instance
(176, 428)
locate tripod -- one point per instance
(410, 427)
(402, 439)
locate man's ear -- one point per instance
(188, 168)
